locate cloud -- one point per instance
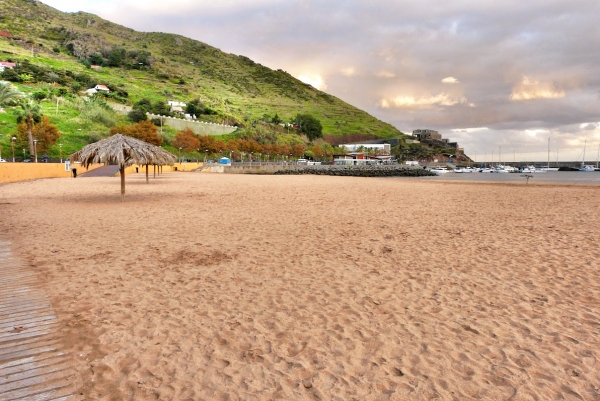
(442, 99)
(535, 132)
(385, 74)
(589, 126)
(450, 80)
(348, 71)
(469, 130)
(315, 80)
(532, 90)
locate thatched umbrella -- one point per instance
(123, 151)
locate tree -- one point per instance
(186, 140)
(9, 93)
(30, 112)
(145, 131)
(44, 132)
(309, 126)
(276, 120)
(136, 115)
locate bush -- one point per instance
(136, 115)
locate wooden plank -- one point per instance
(25, 321)
(14, 373)
(47, 392)
(26, 314)
(25, 363)
(5, 337)
(27, 353)
(23, 347)
(36, 378)
(32, 365)
(24, 308)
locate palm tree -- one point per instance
(30, 111)
(8, 93)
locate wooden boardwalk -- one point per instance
(32, 364)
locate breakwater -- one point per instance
(358, 171)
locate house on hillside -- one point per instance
(96, 67)
(102, 88)
(5, 34)
(174, 103)
(176, 109)
(6, 64)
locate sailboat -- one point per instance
(583, 166)
(548, 168)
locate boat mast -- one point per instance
(583, 159)
(548, 152)
(598, 157)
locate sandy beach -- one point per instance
(236, 287)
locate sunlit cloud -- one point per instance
(450, 80)
(469, 130)
(532, 90)
(442, 99)
(536, 132)
(348, 71)
(386, 74)
(589, 126)
(315, 80)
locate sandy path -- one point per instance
(205, 287)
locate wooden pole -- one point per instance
(146, 173)
(122, 172)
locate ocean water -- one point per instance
(572, 177)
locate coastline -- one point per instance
(261, 287)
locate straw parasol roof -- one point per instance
(123, 151)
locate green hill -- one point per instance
(161, 66)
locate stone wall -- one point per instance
(197, 127)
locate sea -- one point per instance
(567, 177)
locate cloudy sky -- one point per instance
(499, 77)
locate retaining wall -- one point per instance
(197, 127)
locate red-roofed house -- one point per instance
(5, 34)
(6, 64)
(102, 88)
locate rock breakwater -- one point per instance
(358, 171)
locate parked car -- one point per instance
(2, 160)
(26, 160)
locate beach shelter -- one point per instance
(123, 151)
(225, 160)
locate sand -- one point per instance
(231, 287)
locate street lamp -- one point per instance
(180, 160)
(35, 141)
(12, 145)
(205, 155)
(23, 154)
(60, 150)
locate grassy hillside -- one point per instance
(162, 66)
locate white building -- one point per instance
(381, 148)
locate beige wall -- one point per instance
(14, 172)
